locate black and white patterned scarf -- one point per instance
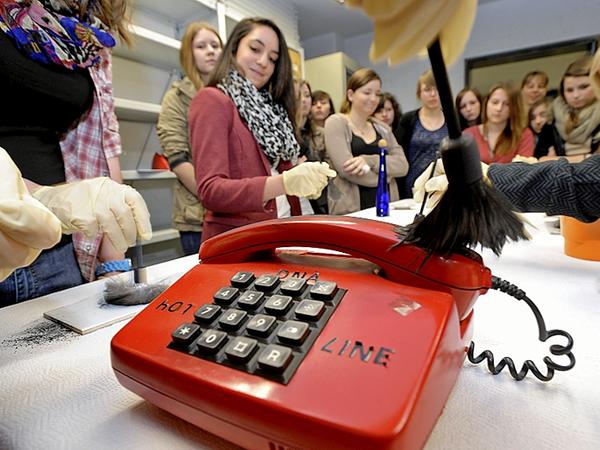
(267, 120)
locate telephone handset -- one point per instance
(280, 349)
(462, 275)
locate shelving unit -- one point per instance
(142, 74)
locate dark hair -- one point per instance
(463, 122)
(358, 79)
(386, 96)
(280, 85)
(322, 95)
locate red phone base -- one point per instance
(387, 395)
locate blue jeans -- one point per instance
(190, 242)
(52, 271)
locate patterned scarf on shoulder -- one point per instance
(267, 120)
(49, 32)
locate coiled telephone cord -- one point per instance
(543, 335)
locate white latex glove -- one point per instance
(403, 28)
(99, 205)
(26, 226)
(434, 186)
(307, 179)
(524, 159)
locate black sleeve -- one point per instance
(553, 187)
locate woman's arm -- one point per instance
(339, 153)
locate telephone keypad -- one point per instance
(260, 324)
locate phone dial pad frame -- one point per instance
(260, 324)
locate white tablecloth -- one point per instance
(57, 388)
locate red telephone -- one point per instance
(278, 349)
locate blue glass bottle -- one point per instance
(383, 194)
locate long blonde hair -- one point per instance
(186, 52)
(115, 14)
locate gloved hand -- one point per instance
(525, 159)
(403, 28)
(436, 185)
(26, 226)
(307, 179)
(99, 205)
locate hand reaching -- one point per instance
(307, 179)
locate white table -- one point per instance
(57, 388)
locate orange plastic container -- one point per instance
(582, 240)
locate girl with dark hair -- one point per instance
(322, 107)
(468, 105)
(388, 111)
(351, 143)
(201, 47)
(242, 132)
(501, 135)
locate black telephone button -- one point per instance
(309, 309)
(240, 349)
(206, 313)
(275, 358)
(226, 295)
(266, 283)
(260, 325)
(242, 279)
(185, 333)
(232, 319)
(323, 290)
(293, 286)
(293, 332)
(211, 340)
(250, 299)
(278, 304)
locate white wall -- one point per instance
(500, 26)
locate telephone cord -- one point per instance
(543, 335)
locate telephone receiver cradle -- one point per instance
(462, 275)
(373, 371)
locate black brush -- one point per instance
(136, 292)
(471, 212)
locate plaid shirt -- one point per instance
(87, 147)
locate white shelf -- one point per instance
(136, 111)
(180, 11)
(162, 235)
(150, 47)
(147, 174)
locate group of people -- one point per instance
(245, 141)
